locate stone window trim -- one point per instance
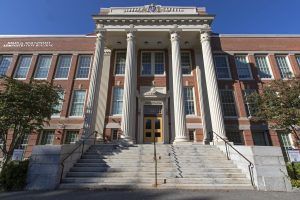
(266, 59)
(115, 62)
(39, 67)
(72, 104)
(227, 66)
(193, 100)
(239, 67)
(152, 63)
(284, 69)
(78, 68)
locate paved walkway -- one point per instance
(149, 194)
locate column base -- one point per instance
(179, 140)
(127, 140)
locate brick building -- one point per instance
(153, 71)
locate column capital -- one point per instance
(205, 36)
(174, 36)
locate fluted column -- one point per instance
(212, 87)
(179, 112)
(94, 81)
(129, 98)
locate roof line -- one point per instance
(256, 35)
(30, 36)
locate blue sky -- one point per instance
(74, 16)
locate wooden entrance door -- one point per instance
(153, 127)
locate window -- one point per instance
(186, 65)
(23, 66)
(77, 103)
(298, 60)
(47, 137)
(189, 101)
(63, 66)
(114, 135)
(243, 67)
(236, 137)
(228, 103)
(250, 109)
(153, 63)
(58, 107)
(222, 67)
(285, 139)
(83, 68)
(23, 142)
(191, 135)
(5, 61)
(263, 67)
(43, 66)
(71, 137)
(260, 138)
(283, 66)
(120, 63)
(117, 103)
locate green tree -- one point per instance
(24, 109)
(278, 103)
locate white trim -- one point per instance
(77, 66)
(228, 66)
(152, 53)
(115, 62)
(287, 62)
(37, 65)
(71, 105)
(248, 64)
(258, 35)
(268, 65)
(58, 62)
(32, 36)
(191, 62)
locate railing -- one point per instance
(227, 145)
(82, 143)
(155, 161)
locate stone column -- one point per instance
(129, 98)
(179, 112)
(212, 87)
(94, 81)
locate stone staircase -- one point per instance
(179, 166)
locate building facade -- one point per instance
(153, 73)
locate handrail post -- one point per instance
(155, 160)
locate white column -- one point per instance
(212, 87)
(179, 113)
(129, 98)
(94, 81)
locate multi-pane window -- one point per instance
(250, 109)
(63, 66)
(5, 61)
(120, 63)
(236, 137)
(114, 135)
(159, 63)
(186, 65)
(83, 68)
(23, 66)
(189, 101)
(298, 60)
(263, 66)
(228, 103)
(153, 63)
(222, 67)
(117, 103)
(58, 107)
(243, 67)
(283, 66)
(78, 103)
(23, 142)
(146, 63)
(260, 138)
(191, 135)
(43, 66)
(71, 137)
(47, 137)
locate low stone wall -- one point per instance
(270, 172)
(45, 168)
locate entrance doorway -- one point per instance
(153, 129)
(153, 123)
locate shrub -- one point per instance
(294, 173)
(13, 175)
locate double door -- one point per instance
(153, 129)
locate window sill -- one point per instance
(119, 75)
(75, 117)
(116, 116)
(153, 75)
(231, 117)
(20, 78)
(224, 79)
(60, 79)
(192, 116)
(80, 79)
(40, 78)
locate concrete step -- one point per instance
(218, 180)
(122, 165)
(111, 180)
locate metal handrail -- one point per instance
(155, 160)
(82, 142)
(250, 166)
